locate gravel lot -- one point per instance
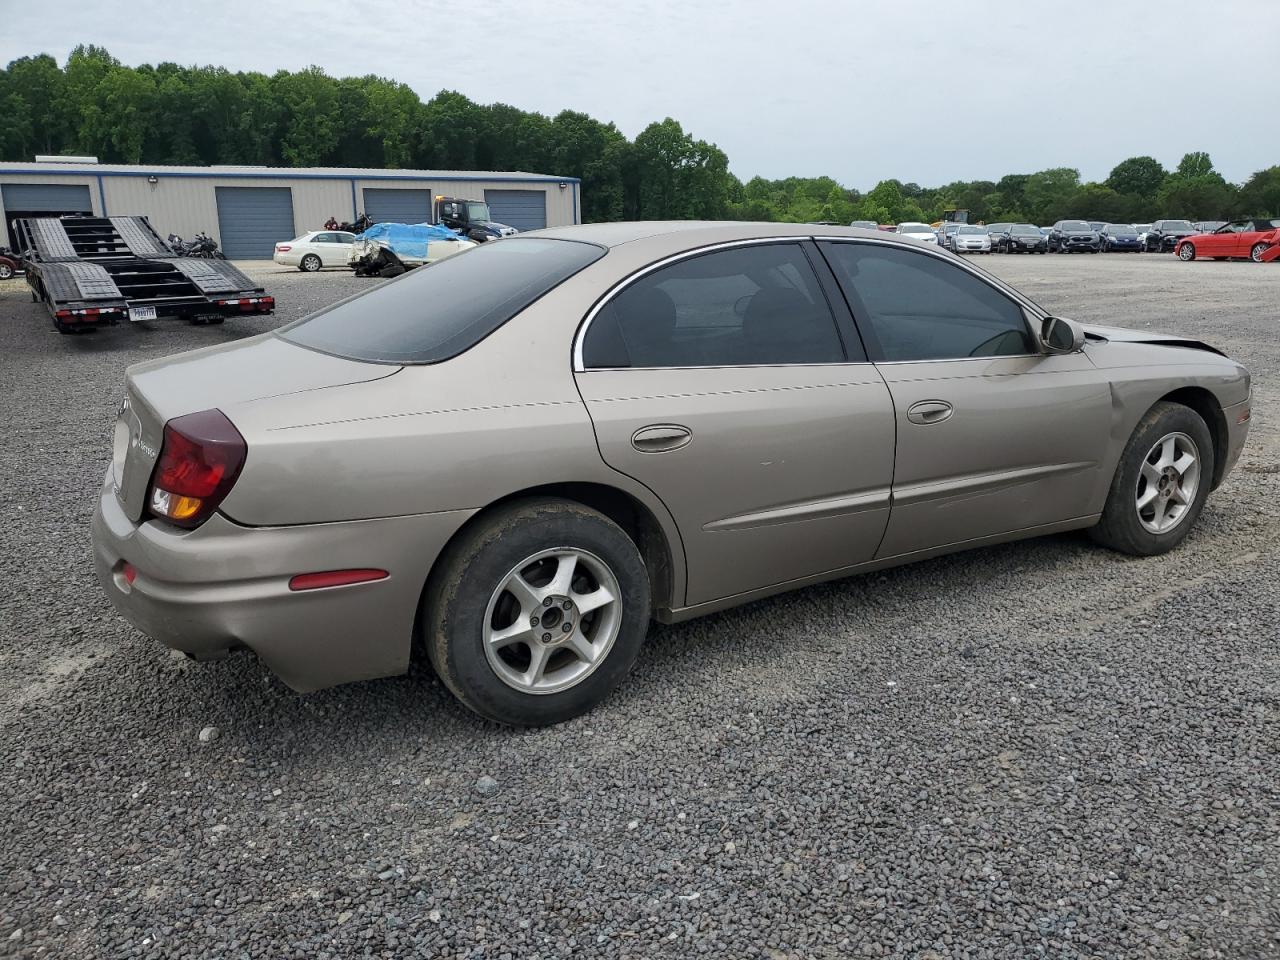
(1037, 750)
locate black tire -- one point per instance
(310, 263)
(1120, 527)
(457, 597)
(1256, 252)
(1187, 253)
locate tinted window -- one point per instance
(748, 305)
(438, 311)
(1067, 225)
(920, 307)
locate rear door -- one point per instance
(722, 382)
(992, 435)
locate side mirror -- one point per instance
(1060, 335)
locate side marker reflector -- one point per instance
(334, 578)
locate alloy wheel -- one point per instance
(1255, 254)
(552, 620)
(1167, 483)
(1187, 252)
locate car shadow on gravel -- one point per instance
(676, 661)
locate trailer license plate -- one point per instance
(141, 313)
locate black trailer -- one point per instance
(97, 271)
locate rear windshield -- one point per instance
(438, 311)
(1024, 230)
(1120, 230)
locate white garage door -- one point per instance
(522, 209)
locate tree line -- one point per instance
(174, 114)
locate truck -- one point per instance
(470, 218)
(93, 272)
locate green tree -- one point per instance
(1195, 164)
(1260, 195)
(309, 102)
(1048, 194)
(679, 177)
(1137, 177)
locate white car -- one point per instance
(319, 248)
(918, 231)
(971, 239)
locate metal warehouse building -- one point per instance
(248, 209)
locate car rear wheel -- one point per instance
(310, 263)
(1187, 252)
(1161, 483)
(1256, 252)
(537, 612)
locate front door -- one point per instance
(993, 436)
(722, 383)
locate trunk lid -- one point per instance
(212, 378)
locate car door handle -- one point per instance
(930, 411)
(661, 437)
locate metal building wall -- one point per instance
(560, 203)
(89, 181)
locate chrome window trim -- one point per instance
(617, 288)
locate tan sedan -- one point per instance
(523, 454)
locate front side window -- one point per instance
(920, 307)
(438, 311)
(754, 305)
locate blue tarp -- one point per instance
(408, 239)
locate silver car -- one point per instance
(971, 239)
(521, 455)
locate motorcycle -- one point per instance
(203, 247)
(359, 225)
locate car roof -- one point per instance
(693, 233)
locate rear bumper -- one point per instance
(223, 587)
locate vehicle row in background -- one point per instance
(96, 271)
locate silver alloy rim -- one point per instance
(1167, 482)
(312, 264)
(1187, 252)
(552, 620)
(1256, 253)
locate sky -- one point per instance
(859, 90)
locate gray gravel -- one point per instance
(1037, 750)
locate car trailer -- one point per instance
(97, 271)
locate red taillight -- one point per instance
(334, 578)
(283, 248)
(199, 461)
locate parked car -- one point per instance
(1023, 238)
(521, 455)
(1068, 236)
(1165, 234)
(1097, 225)
(971, 238)
(918, 231)
(865, 224)
(1142, 229)
(315, 249)
(9, 265)
(1208, 226)
(996, 230)
(1256, 239)
(948, 233)
(1120, 236)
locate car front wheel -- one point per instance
(1187, 252)
(537, 612)
(1160, 484)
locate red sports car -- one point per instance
(1258, 239)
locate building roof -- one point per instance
(232, 170)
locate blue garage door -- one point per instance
(252, 220)
(522, 209)
(57, 198)
(388, 205)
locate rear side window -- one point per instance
(754, 305)
(438, 311)
(920, 307)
